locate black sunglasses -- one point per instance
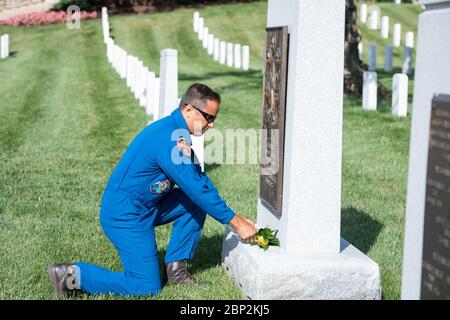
(208, 117)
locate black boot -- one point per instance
(63, 278)
(176, 273)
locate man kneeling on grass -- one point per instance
(141, 195)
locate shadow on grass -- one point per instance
(207, 255)
(12, 54)
(384, 105)
(360, 229)
(211, 167)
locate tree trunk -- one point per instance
(353, 66)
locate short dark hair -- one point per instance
(198, 95)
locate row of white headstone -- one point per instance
(399, 93)
(4, 46)
(143, 83)
(159, 96)
(388, 57)
(374, 23)
(232, 54)
(105, 24)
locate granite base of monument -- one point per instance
(273, 274)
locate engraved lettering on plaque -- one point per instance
(435, 282)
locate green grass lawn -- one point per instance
(67, 118)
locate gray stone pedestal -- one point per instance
(313, 262)
(273, 274)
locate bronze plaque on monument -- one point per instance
(273, 118)
(435, 282)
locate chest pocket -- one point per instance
(160, 187)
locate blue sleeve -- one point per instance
(198, 187)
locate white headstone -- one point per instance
(407, 60)
(135, 81)
(388, 57)
(370, 87)
(138, 64)
(372, 56)
(361, 51)
(129, 72)
(144, 92)
(205, 37)
(122, 63)
(151, 93)
(312, 262)
(108, 50)
(139, 80)
(142, 85)
(2, 49)
(4, 46)
(398, 1)
(135, 77)
(195, 20)
(133, 73)
(237, 56)
(124, 57)
(397, 35)
(200, 28)
(409, 39)
(106, 31)
(229, 54)
(117, 60)
(374, 17)
(245, 57)
(198, 145)
(385, 27)
(400, 95)
(210, 44)
(105, 24)
(169, 82)
(431, 79)
(157, 91)
(113, 56)
(109, 45)
(216, 54)
(223, 52)
(363, 13)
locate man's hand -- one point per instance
(244, 227)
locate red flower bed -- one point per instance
(42, 18)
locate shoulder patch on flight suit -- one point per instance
(184, 147)
(160, 186)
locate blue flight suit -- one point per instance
(140, 195)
